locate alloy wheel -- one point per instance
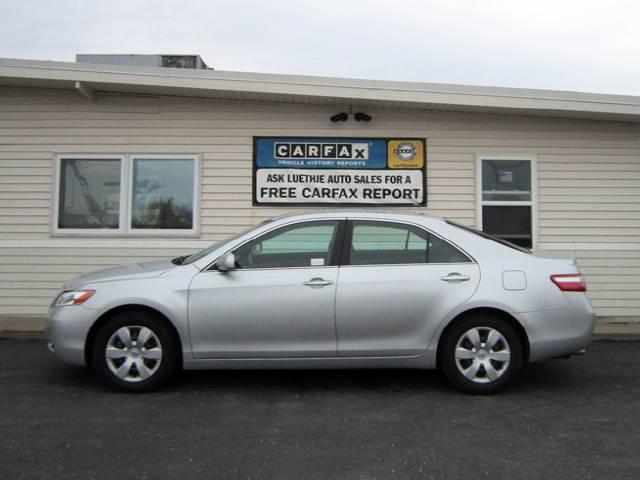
(482, 354)
(133, 353)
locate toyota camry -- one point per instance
(341, 289)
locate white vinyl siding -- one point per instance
(588, 180)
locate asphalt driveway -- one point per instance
(577, 418)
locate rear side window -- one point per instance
(388, 243)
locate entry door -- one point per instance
(397, 284)
(278, 302)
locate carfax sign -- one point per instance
(339, 171)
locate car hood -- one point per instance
(123, 272)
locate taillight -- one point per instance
(570, 282)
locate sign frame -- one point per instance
(255, 169)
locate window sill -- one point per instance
(107, 234)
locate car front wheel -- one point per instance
(481, 354)
(134, 351)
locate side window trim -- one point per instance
(345, 258)
(57, 197)
(532, 203)
(126, 200)
(345, 250)
(338, 245)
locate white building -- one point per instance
(106, 164)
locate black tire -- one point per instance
(134, 321)
(481, 382)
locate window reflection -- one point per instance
(89, 193)
(300, 245)
(506, 180)
(377, 243)
(163, 193)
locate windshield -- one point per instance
(490, 237)
(203, 253)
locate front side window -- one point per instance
(126, 194)
(386, 243)
(309, 244)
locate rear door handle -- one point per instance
(455, 277)
(318, 282)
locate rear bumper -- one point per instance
(555, 333)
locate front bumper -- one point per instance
(67, 330)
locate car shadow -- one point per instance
(308, 381)
(542, 377)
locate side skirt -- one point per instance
(425, 360)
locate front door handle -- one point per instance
(455, 277)
(318, 282)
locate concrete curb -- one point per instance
(11, 335)
(625, 331)
(22, 327)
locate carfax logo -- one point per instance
(406, 151)
(349, 151)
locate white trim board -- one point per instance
(126, 178)
(533, 159)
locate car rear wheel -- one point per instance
(134, 351)
(481, 354)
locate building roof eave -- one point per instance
(318, 90)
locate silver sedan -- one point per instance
(341, 289)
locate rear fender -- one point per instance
(433, 344)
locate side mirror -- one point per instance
(226, 262)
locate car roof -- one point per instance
(360, 213)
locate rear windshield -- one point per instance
(490, 237)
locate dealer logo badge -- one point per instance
(406, 151)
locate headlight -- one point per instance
(77, 297)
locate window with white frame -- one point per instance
(506, 198)
(132, 194)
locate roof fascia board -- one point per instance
(456, 95)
